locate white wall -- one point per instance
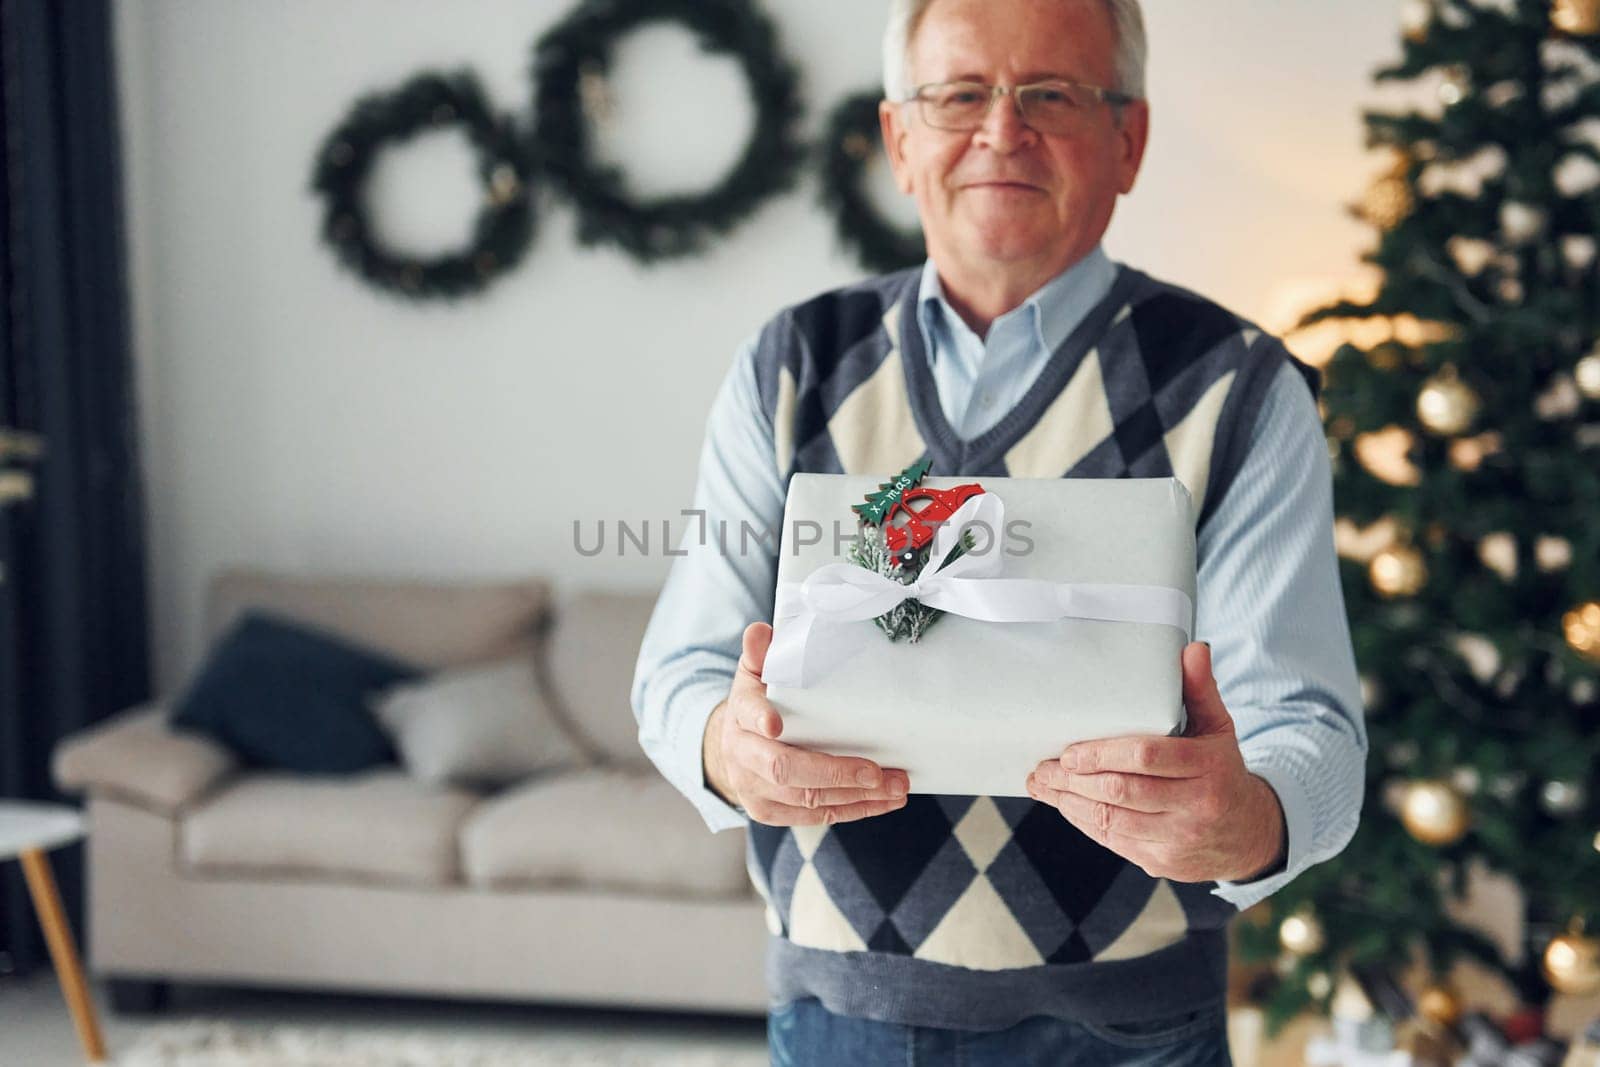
(295, 418)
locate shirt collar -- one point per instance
(1053, 311)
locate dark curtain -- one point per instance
(73, 641)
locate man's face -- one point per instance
(1004, 194)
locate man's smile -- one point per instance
(1003, 186)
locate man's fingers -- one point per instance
(816, 797)
(1138, 792)
(1166, 757)
(778, 764)
(753, 656)
(748, 697)
(774, 814)
(754, 713)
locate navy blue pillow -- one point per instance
(283, 695)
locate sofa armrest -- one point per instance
(137, 756)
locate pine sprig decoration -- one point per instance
(909, 619)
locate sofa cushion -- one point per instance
(379, 826)
(481, 727)
(431, 624)
(588, 661)
(137, 756)
(604, 828)
(287, 696)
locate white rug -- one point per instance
(207, 1043)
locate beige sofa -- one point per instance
(597, 885)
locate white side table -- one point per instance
(28, 830)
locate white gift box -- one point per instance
(973, 706)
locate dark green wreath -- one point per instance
(578, 51)
(504, 227)
(853, 137)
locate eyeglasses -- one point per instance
(1050, 107)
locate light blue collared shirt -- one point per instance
(981, 378)
(1268, 594)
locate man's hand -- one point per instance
(779, 784)
(1183, 808)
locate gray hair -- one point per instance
(905, 15)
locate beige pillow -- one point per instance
(481, 726)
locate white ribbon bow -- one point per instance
(969, 585)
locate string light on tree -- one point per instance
(1578, 250)
(1560, 401)
(1522, 223)
(1352, 542)
(1562, 798)
(1386, 454)
(1467, 779)
(1582, 628)
(1552, 553)
(1453, 89)
(1468, 453)
(1587, 375)
(1498, 552)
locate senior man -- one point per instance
(1086, 922)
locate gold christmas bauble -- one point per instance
(1434, 813)
(1587, 375)
(1447, 405)
(1301, 934)
(1398, 571)
(1581, 18)
(1571, 963)
(1582, 628)
(1439, 1004)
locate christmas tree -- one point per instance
(1466, 451)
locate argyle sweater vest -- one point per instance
(976, 912)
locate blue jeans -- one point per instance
(805, 1034)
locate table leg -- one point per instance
(58, 935)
